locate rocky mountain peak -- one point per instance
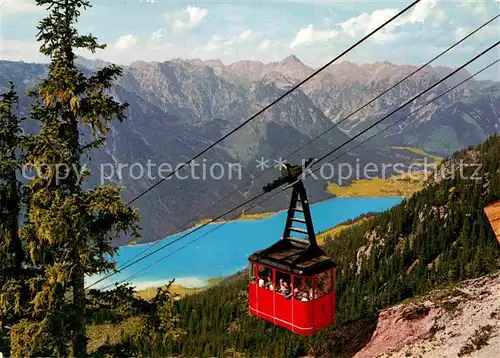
(291, 67)
(247, 71)
(91, 64)
(292, 59)
(143, 64)
(214, 63)
(278, 79)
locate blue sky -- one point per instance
(315, 31)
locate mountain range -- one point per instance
(179, 107)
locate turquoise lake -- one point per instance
(225, 250)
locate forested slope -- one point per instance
(437, 237)
(440, 235)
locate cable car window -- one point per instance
(324, 284)
(251, 272)
(283, 284)
(303, 289)
(266, 277)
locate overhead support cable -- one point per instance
(135, 275)
(184, 226)
(277, 100)
(321, 158)
(409, 101)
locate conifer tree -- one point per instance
(159, 324)
(11, 250)
(69, 229)
(10, 128)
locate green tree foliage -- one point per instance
(160, 324)
(10, 196)
(158, 321)
(68, 230)
(437, 237)
(11, 250)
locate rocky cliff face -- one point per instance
(457, 322)
(464, 117)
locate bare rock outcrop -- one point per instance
(459, 322)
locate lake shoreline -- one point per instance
(182, 289)
(266, 215)
(321, 236)
(211, 253)
(179, 289)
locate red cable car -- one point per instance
(292, 281)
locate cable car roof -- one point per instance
(299, 256)
(297, 261)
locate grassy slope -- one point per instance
(418, 151)
(113, 333)
(330, 233)
(258, 216)
(179, 289)
(100, 334)
(402, 185)
(242, 217)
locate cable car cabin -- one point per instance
(292, 281)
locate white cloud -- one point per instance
(384, 37)
(211, 47)
(439, 18)
(21, 6)
(158, 35)
(247, 35)
(265, 44)
(419, 13)
(126, 41)
(460, 32)
(478, 7)
(187, 19)
(308, 35)
(358, 26)
(17, 50)
(230, 49)
(365, 23)
(142, 51)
